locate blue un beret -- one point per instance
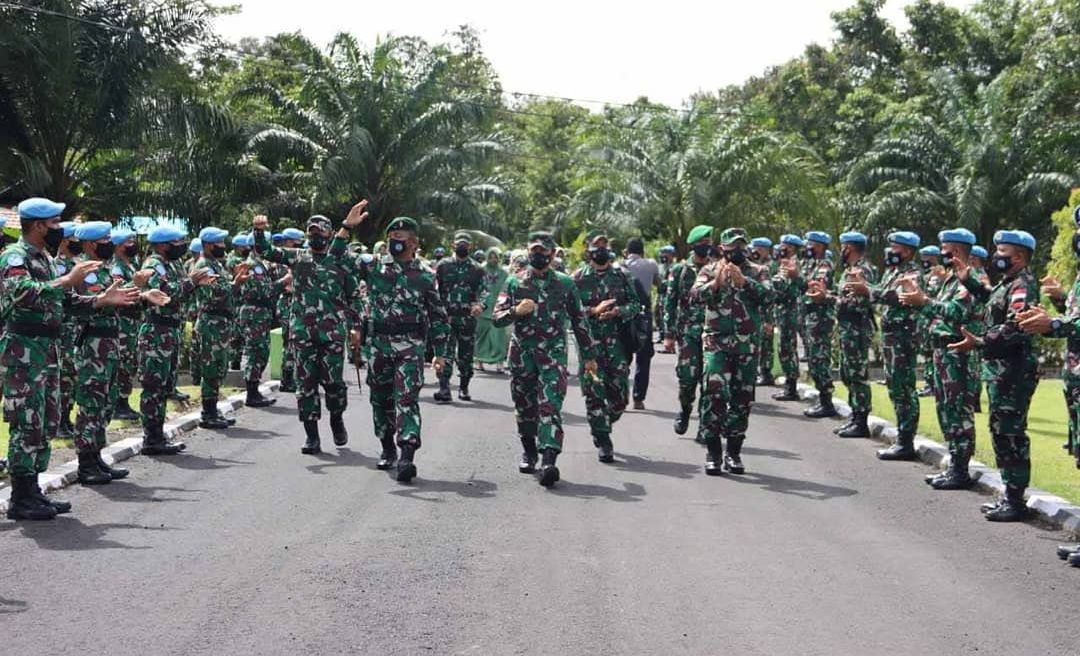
(957, 236)
(761, 242)
(979, 251)
(277, 237)
(853, 237)
(212, 235)
(93, 230)
(930, 251)
(195, 246)
(1016, 238)
(35, 209)
(243, 241)
(819, 236)
(792, 240)
(121, 235)
(69, 229)
(163, 234)
(905, 238)
(294, 234)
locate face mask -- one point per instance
(600, 256)
(53, 238)
(539, 261)
(461, 251)
(317, 242)
(755, 256)
(736, 257)
(104, 251)
(1000, 262)
(75, 247)
(397, 247)
(892, 258)
(702, 250)
(176, 251)
(809, 252)
(1076, 245)
(845, 254)
(947, 260)
(926, 265)
(131, 250)
(662, 259)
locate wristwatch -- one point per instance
(1055, 326)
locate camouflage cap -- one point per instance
(597, 237)
(462, 237)
(731, 235)
(542, 238)
(320, 222)
(403, 223)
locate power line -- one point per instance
(71, 17)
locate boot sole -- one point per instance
(531, 469)
(549, 477)
(714, 471)
(899, 458)
(1065, 553)
(735, 470)
(341, 441)
(682, 432)
(30, 518)
(310, 452)
(406, 473)
(385, 466)
(95, 481)
(160, 452)
(260, 404)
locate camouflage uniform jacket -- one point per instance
(124, 273)
(950, 309)
(853, 308)
(594, 287)
(1005, 346)
(259, 293)
(557, 304)
(681, 317)
(1070, 330)
(27, 296)
(216, 300)
(171, 278)
(405, 306)
(730, 321)
(821, 271)
(461, 285)
(887, 293)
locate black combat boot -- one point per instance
(89, 473)
(255, 399)
(123, 411)
(406, 470)
(714, 458)
(235, 364)
(1074, 559)
(549, 473)
(790, 393)
(1013, 508)
(337, 427)
(116, 473)
(155, 444)
(836, 430)
(823, 408)
(443, 395)
(24, 502)
(288, 383)
(61, 507)
(605, 449)
(217, 413)
(733, 455)
(389, 454)
(765, 380)
(956, 477)
(463, 390)
(529, 455)
(210, 417)
(311, 445)
(65, 431)
(1066, 550)
(904, 449)
(178, 396)
(682, 422)
(856, 428)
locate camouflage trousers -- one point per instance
(68, 375)
(975, 384)
(236, 342)
(606, 395)
(788, 328)
(195, 356)
(899, 350)
(538, 380)
(688, 368)
(288, 356)
(926, 350)
(460, 348)
(818, 327)
(1072, 404)
(765, 350)
(1010, 399)
(256, 330)
(215, 352)
(321, 362)
(952, 395)
(727, 393)
(158, 349)
(31, 370)
(128, 363)
(395, 377)
(98, 362)
(855, 338)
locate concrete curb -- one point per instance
(64, 475)
(1048, 507)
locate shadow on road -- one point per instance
(625, 462)
(630, 491)
(280, 410)
(470, 489)
(10, 606)
(345, 458)
(240, 433)
(793, 412)
(126, 491)
(771, 453)
(67, 533)
(480, 404)
(199, 463)
(793, 486)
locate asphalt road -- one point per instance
(246, 546)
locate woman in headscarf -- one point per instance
(492, 342)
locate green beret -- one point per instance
(403, 223)
(698, 233)
(732, 235)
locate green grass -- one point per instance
(173, 408)
(1053, 469)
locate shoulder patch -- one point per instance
(17, 260)
(160, 269)
(117, 272)
(91, 278)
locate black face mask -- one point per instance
(176, 251)
(74, 248)
(104, 251)
(397, 247)
(702, 250)
(600, 256)
(131, 250)
(892, 258)
(317, 242)
(53, 238)
(461, 251)
(947, 260)
(755, 256)
(736, 257)
(1076, 245)
(1000, 263)
(539, 261)
(809, 252)
(217, 252)
(926, 265)
(662, 259)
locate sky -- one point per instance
(587, 49)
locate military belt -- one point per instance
(159, 320)
(221, 314)
(467, 312)
(385, 328)
(100, 331)
(265, 305)
(32, 329)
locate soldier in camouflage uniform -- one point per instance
(608, 299)
(947, 311)
(66, 256)
(325, 306)
(899, 345)
(665, 260)
(1010, 364)
(977, 261)
(123, 269)
(539, 302)
(258, 298)
(733, 291)
(191, 313)
(855, 320)
(34, 299)
(817, 313)
(787, 297)
(407, 316)
(461, 286)
(161, 332)
(761, 254)
(684, 323)
(292, 239)
(237, 255)
(930, 257)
